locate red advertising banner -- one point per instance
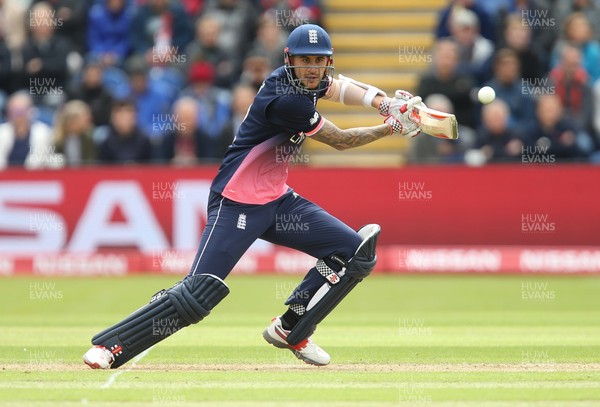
(124, 219)
(456, 205)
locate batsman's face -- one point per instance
(310, 69)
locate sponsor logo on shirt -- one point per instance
(297, 138)
(314, 119)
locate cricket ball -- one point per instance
(486, 95)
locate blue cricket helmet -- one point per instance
(309, 39)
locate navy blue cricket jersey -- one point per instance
(255, 166)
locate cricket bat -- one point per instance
(433, 122)
(437, 124)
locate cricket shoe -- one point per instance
(307, 350)
(98, 357)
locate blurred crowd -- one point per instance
(541, 57)
(136, 81)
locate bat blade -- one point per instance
(437, 124)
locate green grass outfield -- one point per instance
(395, 341)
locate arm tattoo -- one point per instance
(344, 139)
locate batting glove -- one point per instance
(391, 106)
(406, 121)
(407, 129)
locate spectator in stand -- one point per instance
(108, 31)
(492, 8)
(535, 14)
(510, 87)
(160, 25)
(193, 8)
(518, 37)
(24, 141)
(206, 48)
(446, 78)
(596, 120)
(474, 49)
(289, 14)
(45, 59)
(486, 23)
(532, 58)
(13, 33)
(242, 97)
(432, 150)
(591, 8)
(73, 134)
(238, 26)
(308, 10)
(72, 15)
(571, 83)
(125, 143)
(495, 138)
(256, 70)
(6, 72)
(152, 106)
(553, 132)
(92, 92)
(270, 40)
(214, 104)
(284, 15)
(187, 144)
(12, 23)
(578, 33)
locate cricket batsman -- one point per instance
(248, 196)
